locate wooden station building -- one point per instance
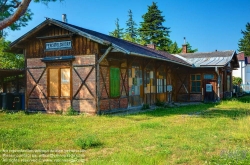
(69, 66)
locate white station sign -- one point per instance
(209, 87)
(62, 45)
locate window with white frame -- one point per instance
(161, 82)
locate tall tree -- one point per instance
(244, 42)
(15, 13)
(118, 32)
(152, 30)
(9, 60)
(131, 30)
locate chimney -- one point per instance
(184, 46)
(152, 46)
(64, 18)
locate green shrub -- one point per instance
(145, 106)
(71, 112)
(245, 99)
(60, 112)
(159, 103)
(88, 141)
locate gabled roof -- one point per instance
(210, 59)
(126, 47)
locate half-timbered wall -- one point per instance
(36, 90)
(138, 81)
(106, 101)
(82, 70)
(182, 84)
(84, 84)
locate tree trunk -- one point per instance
(18, 13)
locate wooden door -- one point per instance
(209, 87)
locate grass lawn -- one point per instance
(195, 134)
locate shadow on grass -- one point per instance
(204, 111)
(243, 99)
(208, 110)
(182, 110)
(230, 113)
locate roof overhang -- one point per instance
(11, 72)
(212, 62)
(58, 58)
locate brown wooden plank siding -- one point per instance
(80, 45)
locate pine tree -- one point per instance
(173, 49)
(152, 30)
(118, 32)
(131, 30)
(244, 42)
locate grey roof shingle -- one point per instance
(129, 47)
(118, 44)
(209, 59)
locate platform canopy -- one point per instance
(11, 72)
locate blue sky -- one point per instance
(208, 25)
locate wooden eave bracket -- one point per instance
(105, 54)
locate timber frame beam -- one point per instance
(105, 54)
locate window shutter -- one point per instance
(114, 82)
(117, 89)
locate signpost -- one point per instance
(169, 90)
(209, 88)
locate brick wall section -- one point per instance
(85, 100)
(84, 60)
(104, 105)
(195, 97)
(58, 105)
(35, 62)
(35, 99)
(85, 106)
(37, 105)
(123, 103)
(104, 90)
(107, 103)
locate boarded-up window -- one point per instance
(65, 82)
(135, 80)
(59, 82)
(53, 83)
(195, 83)
(114, 82)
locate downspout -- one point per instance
(218, 82)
